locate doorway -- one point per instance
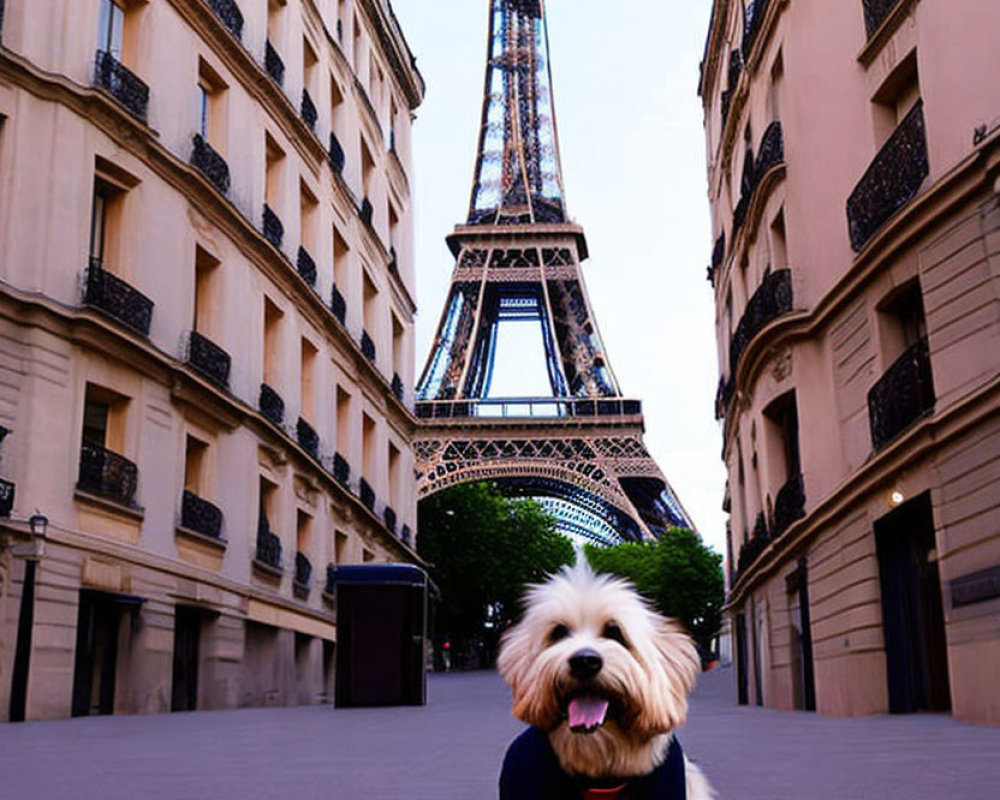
(187, 644)
(912, 609)
(98, 625)
(742, 681)
(803, 677)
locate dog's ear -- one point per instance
(673, 672)
(517, 663)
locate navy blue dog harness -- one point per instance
(531, 771)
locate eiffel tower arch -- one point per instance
(577, 446)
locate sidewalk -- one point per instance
(452, 750)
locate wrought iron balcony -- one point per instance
(209, 359)
(307, 437)
(389, 515)
(397, 386)
(723, 396)
(892, 180)
(271, 405)
(534, 407)
(902, 396)
(876, 12)
(229, 14)
(368, 346)
(306, 267)
(770, 301)
(752, 549)
(117, 299)
(268, 545)
(755, 14)
(789, 505)
(341, 470)
(393, 262)
(338, 305)
(200, 516)
(273, 231)
(367, 495)
(6, 487)
(336, 154)
(308, 111)
(210, 163)
(303, 570)
(771, 154)
(406, 535)
(107, 474)
(366, 211)
(273, 64)
(123, 85)
(719, 251)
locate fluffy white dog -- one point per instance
(603, 682)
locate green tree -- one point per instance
(482, 549)
(678, 574)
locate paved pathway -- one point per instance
(452, 750)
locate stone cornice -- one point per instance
(397, 51)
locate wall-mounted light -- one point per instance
(39, 525)
(896, 498)
(34, 548)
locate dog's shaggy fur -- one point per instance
(648, 665)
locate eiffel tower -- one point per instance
(578, 447)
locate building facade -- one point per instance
(853, 165)
(206, 344)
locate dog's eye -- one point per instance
(614, 632)
(558, 633)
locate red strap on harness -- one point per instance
(617, 793)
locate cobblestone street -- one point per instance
(451, 750)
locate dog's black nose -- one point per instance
(585, 663)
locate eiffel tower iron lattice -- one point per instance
(578, 448)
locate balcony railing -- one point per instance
(902, 396)
(789, 505)
(303, 570)
(210, 163)
(368, 346)
(307, 438)
(306, 267)
(771, 154)
(268, 545)
(107, 474)
(336, 154)
(770, 301)
(397, 386)
(892, 180)
(341, 470)
(338, 305)
(123, 85)
(752, 550)
(273, 64)
(755, 14)
(229, 13)
(117, 299)
(876, 12)
(308, 111)
(271, 405)
(367, 495)
(209, 359)
(6, 493)
(389, 515)
(406, 536)
(273, 231)
(200, 516)
(366, 211)
(535, 407)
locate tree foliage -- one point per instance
(482, 549)
(678, 574)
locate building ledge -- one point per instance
(884, 32)
(135, 513)
(186, 533)
(267, 570)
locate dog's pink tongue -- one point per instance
(587, 712)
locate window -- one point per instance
(785, 500)
(398, 347)
(367, 170)
(343, 423)
(195, 466)
(356, 50)
(210, 98)
(393, 124)
(309, 209)
(272, 343)
(105, 221)
(341, 19)
(368, 456)
(274, 164)
(206, 269)
(336, 106)
(779, 248)
(309, 62)
(777, 79)
(308, 383)
(895, 98)
(110, 27)
(367, 556)
(103, 471)
(370, 309)
(395, 463)
(339, 547)
(394, 243)
(341, 255)
(902, 322)
(268, 503)
(303, 532)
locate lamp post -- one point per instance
(32, 552)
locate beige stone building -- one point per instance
(206, 343)
(854, 172)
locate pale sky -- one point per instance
(625, 78)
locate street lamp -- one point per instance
(34, 548)
(39, 524)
